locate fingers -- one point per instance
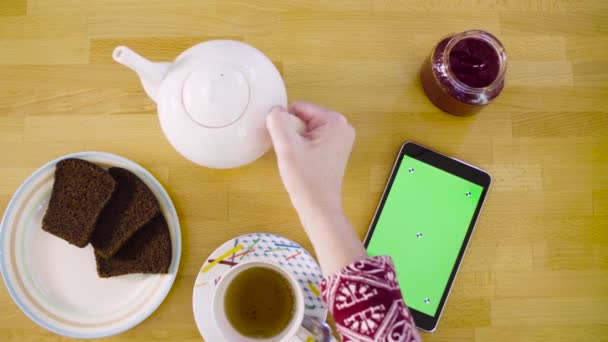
(315, 115)
(281, 128)
(308, 111)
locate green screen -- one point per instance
(422, 226)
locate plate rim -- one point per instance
(154, 305)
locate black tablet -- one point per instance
(424, 222)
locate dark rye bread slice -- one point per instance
(80, 192)
(148, 251)
(132, 206)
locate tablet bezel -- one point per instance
(457, 168)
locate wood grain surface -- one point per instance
(537, 266)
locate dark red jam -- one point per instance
(465, 72)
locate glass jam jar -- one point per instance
(465, 72)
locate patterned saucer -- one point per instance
(257, 246)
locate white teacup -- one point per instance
(292, 332)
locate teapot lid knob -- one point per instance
(215, 96)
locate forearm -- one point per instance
(312, 157)
(333, 238)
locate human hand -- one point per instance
(311, 161)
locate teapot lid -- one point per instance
(215, 96)
(215, 99)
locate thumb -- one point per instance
(282, 132)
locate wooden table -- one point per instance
(537, 266)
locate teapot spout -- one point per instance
(150, 73)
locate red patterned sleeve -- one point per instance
(366, 302)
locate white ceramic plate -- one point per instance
(56, 284)
(257, 246)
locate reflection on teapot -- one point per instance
(213, 100)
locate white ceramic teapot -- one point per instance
(213, 100)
